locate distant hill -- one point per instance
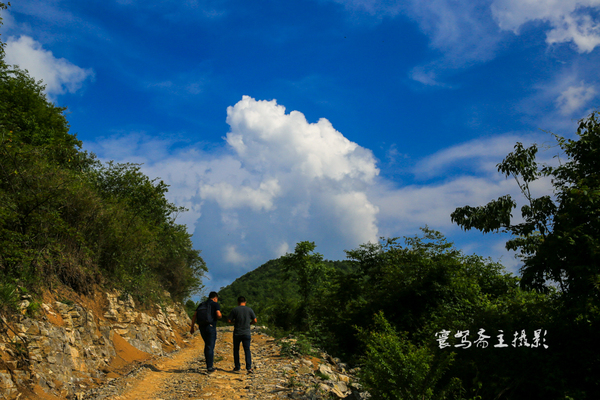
(268, 291)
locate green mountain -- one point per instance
(272, 292)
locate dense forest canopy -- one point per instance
(68, 219)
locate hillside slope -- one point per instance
(68, 219)
(270, 291)
(76, 342)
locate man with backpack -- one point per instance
(206, 316)
(242, 317)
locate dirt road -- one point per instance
(182, 375)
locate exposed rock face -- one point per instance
(69, 347)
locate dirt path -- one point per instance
(182, 375)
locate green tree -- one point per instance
(423, 286)
(558, 242)
(309, 270)
(559, 238)
(66, 218)
(138, 239)
(396, 369)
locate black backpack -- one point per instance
(204, 314)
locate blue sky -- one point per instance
(334, 121)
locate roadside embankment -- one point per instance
(77, 342)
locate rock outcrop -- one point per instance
(71, 347)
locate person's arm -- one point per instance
(253, 321)
(219, 316)
(193, 323)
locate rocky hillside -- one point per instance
(104, 347)
(75, 343)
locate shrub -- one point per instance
(394, 368)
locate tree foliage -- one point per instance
(383, 307)
(66, 218)
(559, 238)
(274, 294)
(394, 368)
(307, 268)
(559, 244)
(399, 295)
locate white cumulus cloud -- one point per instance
(58, 74)
(266, 138)
(280, 179)
(229, 196)
(296, 169)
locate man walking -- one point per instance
(242, 317)
(207, 314)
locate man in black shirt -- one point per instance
(242, 317)
(208, 329)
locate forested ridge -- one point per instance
(68, 219)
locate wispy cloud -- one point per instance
(180, 10)
(463, 33)
(193, 83)
(464, 174)
(571, 92)
(375, 8)
(472, 32)
(573, 21)
(478, 156)
(403, 210)
(47, 10)
(574, 98)
(457, 29)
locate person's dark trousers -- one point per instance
(209, 335)
(245, 341)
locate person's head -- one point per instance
(214, 296)
(241, 300)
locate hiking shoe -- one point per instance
(250, 371)
(211, 370)
(236, 370)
